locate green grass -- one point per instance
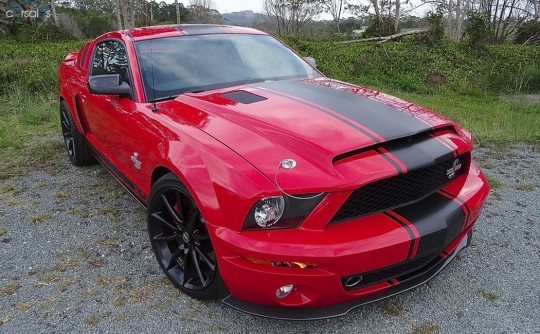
(494, 182)
(468, 93)
(32, 67)
(488, 295)
(29, 132)
(489, 117)
(410, 65)
(426, 328)
(9, 289)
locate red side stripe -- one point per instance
(394, 159)
(416, 240)
(449, 145)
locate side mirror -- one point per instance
(311, 61)
(108, 84)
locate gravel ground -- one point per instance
(75, 258)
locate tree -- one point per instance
(289, 16)
(118, 14)
(202, 11)
(127, 9)
(505, 16)
(336, 9)
(53, 13)
(177, 7)
(383, 12)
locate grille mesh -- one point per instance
(397, 191)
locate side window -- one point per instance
(110, 58)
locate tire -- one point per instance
(180, 240)
(77, 150)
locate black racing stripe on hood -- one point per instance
(419, 152)
(386, 121)
(438, 219)
(314, 106)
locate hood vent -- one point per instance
(394, 144)
(243, 97)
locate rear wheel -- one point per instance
(180, 239)
(77, 150)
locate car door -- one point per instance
(108, 116)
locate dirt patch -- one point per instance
(436, 79)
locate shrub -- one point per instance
(528, 32)
(435, 34)
(415, 67)
(32, 68)
(380, 26)
(478, 28)
(28, 32)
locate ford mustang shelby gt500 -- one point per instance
(283, 192)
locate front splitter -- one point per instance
(330, 311)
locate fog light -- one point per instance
(284, 291)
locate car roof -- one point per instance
(177, 30)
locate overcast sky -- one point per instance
(229, 6)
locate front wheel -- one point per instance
(180, 239)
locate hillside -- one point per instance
(246, 18)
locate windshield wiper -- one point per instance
(165, 98)
(197, 91)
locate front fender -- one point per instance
(223, 184)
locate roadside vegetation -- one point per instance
(466, 84)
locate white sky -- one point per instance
(229, 6)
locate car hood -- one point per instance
(311, 121)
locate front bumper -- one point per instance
(360, 247)
(313, 313)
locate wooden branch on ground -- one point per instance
(386, 38)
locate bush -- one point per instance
(94, 25)
(478, 29)
(32, 68)
(23, 31)
(435, 34)
(528, 32)
(380, 26)
(414, 67)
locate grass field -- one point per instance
(29, 121)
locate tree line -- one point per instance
(495, 21)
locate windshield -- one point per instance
(203, 62)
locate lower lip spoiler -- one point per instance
(324, 312)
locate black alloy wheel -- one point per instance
(180, 239)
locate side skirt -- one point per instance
(124, 181)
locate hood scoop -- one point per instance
(243, 97)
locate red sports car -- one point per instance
(283, 192)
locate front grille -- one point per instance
(400, 272)
(397, 191)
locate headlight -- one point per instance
(280, 212)
(269, 210)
